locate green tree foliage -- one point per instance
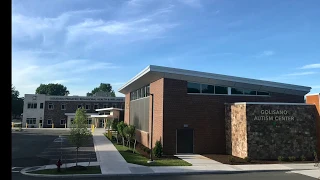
(52, 89)
(17, 103)
(157, 150)
(79, 133)
(104, 87)
(129, 132)
(121, 125)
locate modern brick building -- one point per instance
(315, 99)
(42, 111)
(189, 107)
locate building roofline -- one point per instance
(191, 73)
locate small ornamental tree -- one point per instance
(157, 150)
(129, 132)
(120, 128)
(79, 133)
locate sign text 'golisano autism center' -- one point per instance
(274, 115)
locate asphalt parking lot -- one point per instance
(36, 147)
(61, 148)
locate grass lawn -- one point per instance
(89, 170)
(137, 158)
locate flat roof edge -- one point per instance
(229, 78)
(136, 77)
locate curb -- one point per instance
(23, 171)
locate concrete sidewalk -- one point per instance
(111, 161)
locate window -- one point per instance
(96, 106)
(88, 107)
(263, 93)
(79, 106)
(249, 92)
(148, 90)
(49, 122)
(62, 122)
(31, 121)
(63, 107)
(41, 105)
(193, 87)
(32, 105)
(236, 91)
(115, 105)
(71, 120)
(207, 89)
(220, 90)
(50, 106)
(89, 121)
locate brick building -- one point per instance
(42, 111)
(189, 106)
(315, 99)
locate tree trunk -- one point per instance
(123, 141)
(77, 157)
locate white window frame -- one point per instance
(89, 119)
(32, 105)
(51, 105)
(32, 120)
(88, 105)
(48, 121)
(64, 106)
(62, 120)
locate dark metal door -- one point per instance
(184, 140)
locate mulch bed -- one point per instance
(225, 159)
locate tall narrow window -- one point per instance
(41, 105)
(50, 106)
(63, 107)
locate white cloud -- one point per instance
(311, 66)
(301, 73)
(31, 27)
(265, 54)
(29, 70)
(192, 3)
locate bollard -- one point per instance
(52, 125)
(65, 125)
(26, 125)
(12, 124)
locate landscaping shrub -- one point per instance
(280, 158)
(114, 124)
(157, 150)
(291, 158)
(302, 158)
(247, 159)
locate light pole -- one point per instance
(151, 133)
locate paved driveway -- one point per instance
(61, 148)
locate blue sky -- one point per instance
(81, 43)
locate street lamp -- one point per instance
(151, 133)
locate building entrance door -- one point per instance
(101, 123)
(184, 140)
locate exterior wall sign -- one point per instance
(274, 115)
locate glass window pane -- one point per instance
(249, 92)
(221, 90)
(193, 87)
(207, 88)
(262, 93)
(236, 91)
